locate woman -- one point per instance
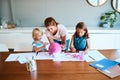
(56, 32)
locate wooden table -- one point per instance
(50, 70)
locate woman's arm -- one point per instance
(35, 49)
(49, 37)
(63, 42)
(50, 40)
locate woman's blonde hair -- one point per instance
(34, 32)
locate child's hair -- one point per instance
(81, 25)
(50, 21)
(34, 32)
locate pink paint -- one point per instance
(79, 56)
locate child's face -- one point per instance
(52, 29)
(38, 35)
(80, 32)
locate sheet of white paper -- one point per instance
(21, 57)
(88, 59)
(22, 60)
(12, 57)
(28, 56)
(43, 56)
(66, 57)
(25, 57)
(117, 60)
(96, 55)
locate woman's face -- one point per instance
(80, 32)
(52, 29)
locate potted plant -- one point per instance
(109, 18)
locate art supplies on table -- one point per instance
(70, 57)
(104, 64)
(112, 72)
(31, 65)
(92, 55)
(108, 67)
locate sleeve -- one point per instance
(63, 30)
(33, 44)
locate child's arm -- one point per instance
(88, 45)
(37, 49)
(71, 45)
(44, 45)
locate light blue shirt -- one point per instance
(40, 44)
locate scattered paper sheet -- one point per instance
(12, 57)
(65, 57)
(117, 60)
(43, 56)
(92, 55)
(61, 57)
(88, 59)
(68, 57)
(95, 55)
(21, 57)
(25, 57)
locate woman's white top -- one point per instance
(62, 31)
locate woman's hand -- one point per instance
(63, 46)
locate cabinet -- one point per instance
(18, 41)
(104, 41)
(21, 39)
(117, 41)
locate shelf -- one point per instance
(71, 30)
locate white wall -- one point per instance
(0, 11)
(6, 12)
(68, 12)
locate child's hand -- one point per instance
(73, 49)
(45, 43)
(85, 52)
